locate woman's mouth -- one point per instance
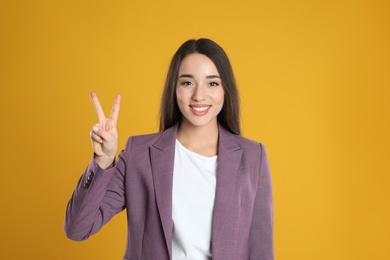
(200, 110)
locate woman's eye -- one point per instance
(214, 84)
(186, 83)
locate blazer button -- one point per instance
(89, 180)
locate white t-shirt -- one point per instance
(194, 180)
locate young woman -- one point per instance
(195, 190)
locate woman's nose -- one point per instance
(199, 94)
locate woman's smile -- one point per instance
(200, 110)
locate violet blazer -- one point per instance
(141, 180)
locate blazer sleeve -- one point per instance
(98, 196)
(261, 236)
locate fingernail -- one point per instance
(95, 129)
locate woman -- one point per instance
(195, 190)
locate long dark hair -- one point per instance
(229, 117)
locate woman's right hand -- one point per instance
(104, 135)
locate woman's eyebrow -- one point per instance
(186, 76)
(213, 77)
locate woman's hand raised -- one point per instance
(104, 135)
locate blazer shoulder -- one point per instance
(161, 140)
(142, 140)
(251, 148)
(247, 143)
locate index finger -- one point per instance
(98, 107)
(115, 108)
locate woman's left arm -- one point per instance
(261, 236)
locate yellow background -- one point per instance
(314, 79)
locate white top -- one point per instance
(194, 180)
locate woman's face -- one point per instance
(199, 91)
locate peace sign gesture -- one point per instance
(104, 135)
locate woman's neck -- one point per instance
(202, 140)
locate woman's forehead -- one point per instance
(198, 64)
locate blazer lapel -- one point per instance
(229, 157)
(162, 159)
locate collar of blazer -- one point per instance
(162, 155)
(227, 140)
